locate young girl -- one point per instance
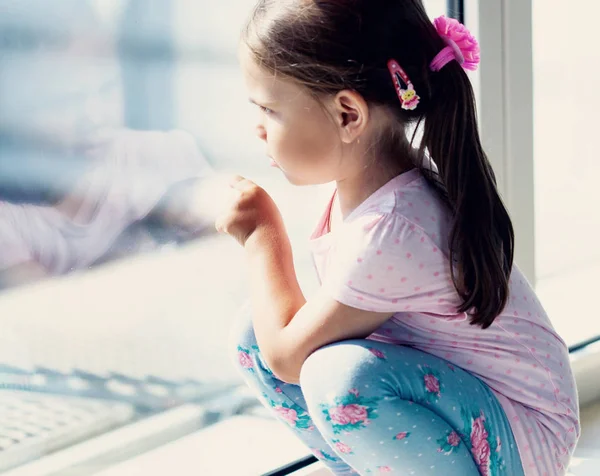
(426, 351)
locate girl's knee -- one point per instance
(335, 370)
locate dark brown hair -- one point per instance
(331, 45)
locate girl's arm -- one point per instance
(287, 327)
(275, 292)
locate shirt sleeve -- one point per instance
(385, 263)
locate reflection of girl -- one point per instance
(426, 351)
(71, 178)
(128, 176)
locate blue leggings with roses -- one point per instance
(368, 408)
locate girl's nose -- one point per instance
(261, 133)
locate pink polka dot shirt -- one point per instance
(391, 255)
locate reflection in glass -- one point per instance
(77, 187)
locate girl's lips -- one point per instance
(273, 163)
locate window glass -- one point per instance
(567, 220)
(116, 294)
(435, 8)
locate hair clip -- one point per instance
(408, 96)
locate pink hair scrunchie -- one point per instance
(462, 45)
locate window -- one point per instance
(435, 8)
(518, 64)
(567, 219)
(117, 294)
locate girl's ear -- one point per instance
(351, 114)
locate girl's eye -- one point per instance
(266, 110)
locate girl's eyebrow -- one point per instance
(266, 103)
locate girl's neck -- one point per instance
(354, 190)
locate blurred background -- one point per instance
(118, 119)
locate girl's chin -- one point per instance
(296, 181)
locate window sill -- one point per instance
(241, 445)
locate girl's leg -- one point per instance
(394, 409)
(285, 400)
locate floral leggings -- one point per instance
(364, 407)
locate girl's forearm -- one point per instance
(276, 294)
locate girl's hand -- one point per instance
(252, 212)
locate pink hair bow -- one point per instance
(462, 45)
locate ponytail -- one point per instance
(482, 236)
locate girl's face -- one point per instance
(300, 137)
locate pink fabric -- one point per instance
(391, 255)
(128, 175)
(462, 45)
(449, 53)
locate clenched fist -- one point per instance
(252, 210)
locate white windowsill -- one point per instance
(239, 446)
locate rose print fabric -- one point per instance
(391, 255)
(372, 408)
